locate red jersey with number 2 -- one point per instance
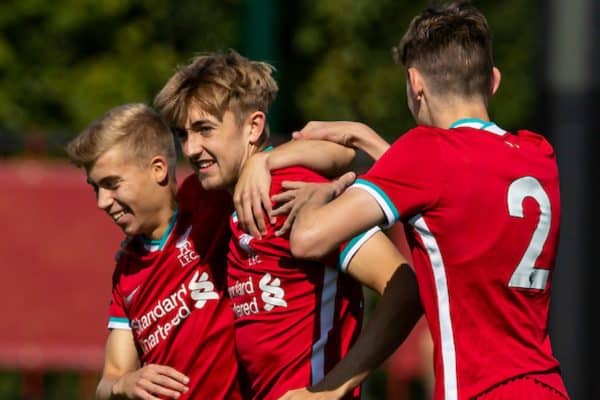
(483, 210)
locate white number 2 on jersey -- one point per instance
(526, 275)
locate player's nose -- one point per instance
(193, 146)
(104, 199)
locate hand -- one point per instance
(347, 133)
(297, 194)
(251, 196)
(151, 381)
(301, 394)
(341, 132)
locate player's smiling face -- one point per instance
(217, 149)
(127, 192)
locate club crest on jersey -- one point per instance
(186, 253)
(244, 242)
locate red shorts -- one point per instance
(528, 387)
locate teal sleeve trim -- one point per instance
(119, 319)
(389, 209)
(119, 323)
(354, 246)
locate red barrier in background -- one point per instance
(56, 257)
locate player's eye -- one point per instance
(111, 185)
(202, 128)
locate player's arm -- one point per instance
(347, 133)
(394, 317)
(373, 259)
(326, 157)
(122, 377)
(251, 193)
(324, 222)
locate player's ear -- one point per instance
(256, 124)
(496, 78)
(159, 168)
(416, 83)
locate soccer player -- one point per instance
(483, 209)
(171, 329)
(170, 314)
(294, 318)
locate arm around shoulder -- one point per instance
(327, 158)
(322, 225)
(347, 133)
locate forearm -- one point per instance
(321, 226)
(104, 391)
(366, 139)
(327, 158)
(394, 317)
(306, 239)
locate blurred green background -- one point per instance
(65, 62)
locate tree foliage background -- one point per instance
(63, 63)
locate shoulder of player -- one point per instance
(416, 142)
(420, 133)
(129, 257)
(191, 196)
(535, 140)
(296, 173)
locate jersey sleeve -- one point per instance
(339, 258)
(350, 248)
(408, 178)
(117, 317)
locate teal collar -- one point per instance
(477, 123)
(157, 245)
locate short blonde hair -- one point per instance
(138, 126)
(218, 82)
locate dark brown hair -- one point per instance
(452, 47)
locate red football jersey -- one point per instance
(482, 208)
(295, 319)
(172, 295)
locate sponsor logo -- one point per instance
(271, 294)
(202, 289)
(167, 313)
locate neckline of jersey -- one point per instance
(157, 245)
(477, 123)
